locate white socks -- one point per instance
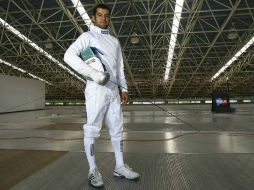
(89, 144)
(118, 150)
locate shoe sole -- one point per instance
(94, 185)
(122, 176)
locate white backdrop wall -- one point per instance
(21, 94)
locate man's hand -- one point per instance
(125, 98)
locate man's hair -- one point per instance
(102, 6)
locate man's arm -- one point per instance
(71, 56)
(121, 75)
(121, 78)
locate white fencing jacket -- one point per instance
(111, 58)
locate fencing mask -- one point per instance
(91, 56)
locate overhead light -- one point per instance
(174, 31)
(134, 38)
(23, 71)
(77, 4)
(35, 46)
(48, 44)
(232, 35)
(240, 52)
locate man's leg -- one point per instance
(96, 107)
(117, 145)
(94, 176)
(114, 121)
(89, 144)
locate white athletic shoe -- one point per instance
(95, 179)
(126, 171)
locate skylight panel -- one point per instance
(35, 46)
(174, 31)
(23, 71)
(77, 4)
(234, 58)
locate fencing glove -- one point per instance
(99, 77)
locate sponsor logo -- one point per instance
(221, 101)
(104, 32)
(89, 61)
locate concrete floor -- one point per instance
(187, 148)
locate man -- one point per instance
(102, 95)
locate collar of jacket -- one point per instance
(100, 30)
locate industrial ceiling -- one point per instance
(210, 33)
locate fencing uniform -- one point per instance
(102, 102)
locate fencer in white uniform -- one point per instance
(103, 101)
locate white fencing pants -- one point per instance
(103, 104)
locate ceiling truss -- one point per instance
(210, 33)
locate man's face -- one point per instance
(101, 18)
